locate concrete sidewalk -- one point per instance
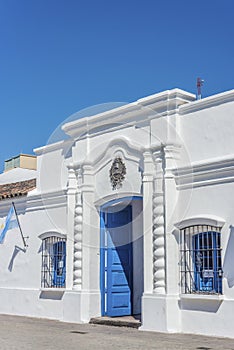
(22, 333)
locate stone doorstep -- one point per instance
(123, 321)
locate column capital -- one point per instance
(72, 182)
(148, 173)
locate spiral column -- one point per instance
(78, 225)
(159, 285)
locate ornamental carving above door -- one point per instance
(117, 173)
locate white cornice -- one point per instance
(145, 108)
(105, 120)
(176, 94)
(208, 102)
(53, 147)
(20, 204)
(39, 201)
(205, 173)
(53, 199)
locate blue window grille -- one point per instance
(201, 261)
(53, 273)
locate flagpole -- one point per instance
(25, 245)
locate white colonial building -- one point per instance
(132, 214)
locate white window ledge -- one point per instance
(53, 290)
(208, 297)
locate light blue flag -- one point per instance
(11, 222)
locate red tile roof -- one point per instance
(15, 189)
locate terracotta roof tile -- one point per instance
(15, 189)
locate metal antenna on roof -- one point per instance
(200, 83)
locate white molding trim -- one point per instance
(171, 94)
(150, 106)
(199, 220)
(122, 198)
(131, 151)
(53, 290)
(52, 233)
(208, 102)
(205, 173)
(47, 200)
(53, 146)
(20, 202)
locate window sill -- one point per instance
(54, 290)
(208, 297)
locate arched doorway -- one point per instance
(121, 257)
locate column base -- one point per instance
(81, 306)
(160, 313)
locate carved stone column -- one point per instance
(159, 286)
(147, 182)
(71, 202)
(78, 228)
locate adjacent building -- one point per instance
(131, 214)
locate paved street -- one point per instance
(23, 333)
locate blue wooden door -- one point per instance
(117, 291)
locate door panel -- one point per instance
(118, 264)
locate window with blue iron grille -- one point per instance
(200, 260)
(53, 272)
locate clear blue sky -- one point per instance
(60, 56)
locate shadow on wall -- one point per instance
(15, 253)
(204, 305)
(52, 294)
(228, 267)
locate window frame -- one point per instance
(201, 236)
(53, 261)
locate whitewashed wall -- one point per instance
(194, 143)
(206, 188)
